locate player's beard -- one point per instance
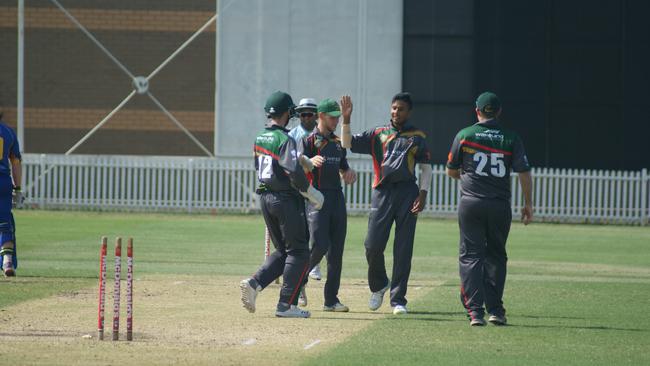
(396, 124)
(309, 126)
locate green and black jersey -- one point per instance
(394, 152)
(276, 162)
(486, 153)
(329, 147)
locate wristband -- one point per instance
(346, 136)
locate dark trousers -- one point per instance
(7, 223)
(327, 231)
(484, 228)
(391, 203)
(284, 214)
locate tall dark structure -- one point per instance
(573, 75)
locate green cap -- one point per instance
(488, 102)
(330, 107)
(278, 102)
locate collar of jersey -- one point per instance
(331, 136)
(407, 127)
(489, 123)
(272, 126)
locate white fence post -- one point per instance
(645, 210)
(190, 185)
(41, 182)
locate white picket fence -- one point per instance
(155, 183)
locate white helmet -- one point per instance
(307, 103)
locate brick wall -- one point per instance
(70, 85)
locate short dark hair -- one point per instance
(487, 114)
(274, 115)
(403, 97)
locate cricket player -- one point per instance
(306, 111)
(328, 226)
(282, 181)
(395, 149)
(482, 156)
(10, 194)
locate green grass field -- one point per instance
(575, 295)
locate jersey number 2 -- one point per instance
(497, 166)
(265, 166)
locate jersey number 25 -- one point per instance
(497, 166)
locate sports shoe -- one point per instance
(338, 308)
(293, 312)
(498, 319)
(376, 298)
(249, 294)
(302, 298)
(477, 322)
(315, 273)
(8, 266)
(399, 310)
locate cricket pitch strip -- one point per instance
(185, 319)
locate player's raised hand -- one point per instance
(527, 214)
(346, 108)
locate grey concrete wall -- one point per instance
(309, 48)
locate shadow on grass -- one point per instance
(431, 316)
(437, 313)
(346, 318)
(549, 317)
(596, 327)
(462, 313)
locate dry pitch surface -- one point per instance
(181, 320)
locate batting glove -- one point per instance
(17, 198)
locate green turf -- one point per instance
(576, 294)
(551, 324)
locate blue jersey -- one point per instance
(9, 146)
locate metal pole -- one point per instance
(180, 125)
(21, 75)
(217, 72)
(182, 47)
(92, 38)
(100, 124)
